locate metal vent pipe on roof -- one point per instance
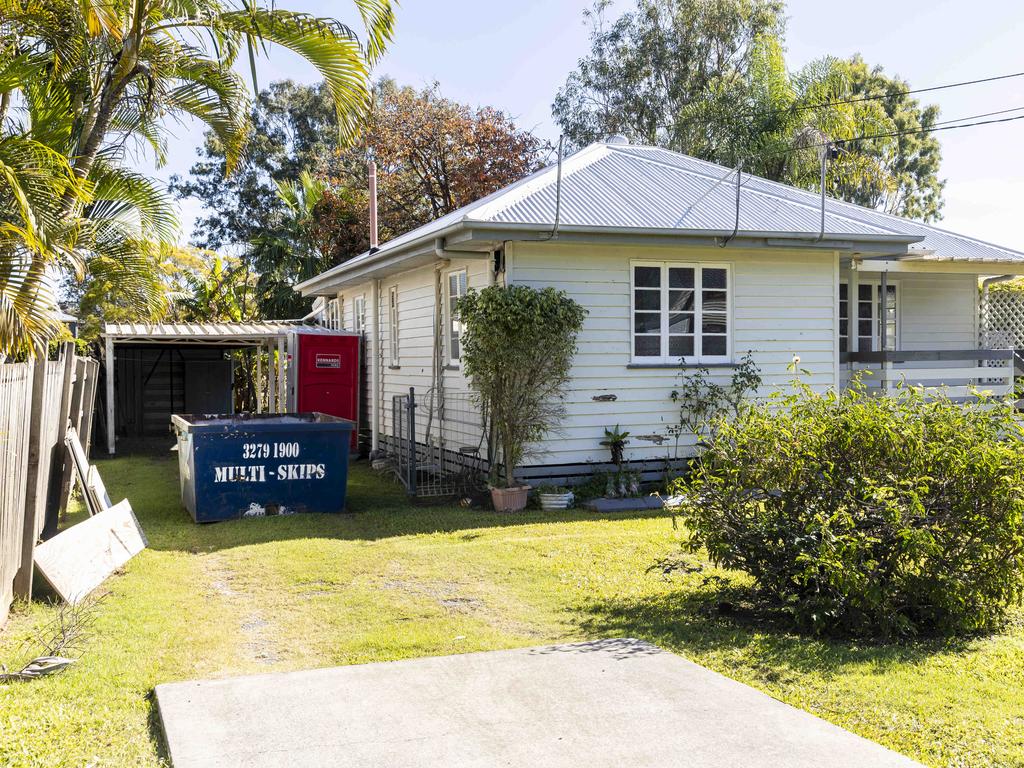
(374, 243)
(616, 138)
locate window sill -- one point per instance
(451, 367)
(634, 366)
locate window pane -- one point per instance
(647, 346)
(864, 328)
(646, 322)
(647, 277)
(647, 299)
(680, 346)
(713, 345)
(680, 301)
(713, 278)
(844, 291)
(844, 327)
(713, 322)
(714, 301)
(681, 322)
(680, 277)
(865, 292)
(456, 351)
(844, 344)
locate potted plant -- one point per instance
(616, 441)
(554, 497)
(517, 348)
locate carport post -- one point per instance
(259, 380)
(109, 363)
(271, 379)
(282, 380)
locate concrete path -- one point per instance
(606, 703)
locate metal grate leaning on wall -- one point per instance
(438, 446)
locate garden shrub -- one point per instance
(869, 516)
(518, 345)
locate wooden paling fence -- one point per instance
(38, 402)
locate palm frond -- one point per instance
(331, 47)
(119, 193)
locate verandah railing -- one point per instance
(957, 373)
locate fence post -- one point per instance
(23, 578)
(89, 404)
(74, 420)
(412, 441)
(58, 457)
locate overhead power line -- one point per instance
(855, 99)
(908, 92)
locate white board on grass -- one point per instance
(79, 559)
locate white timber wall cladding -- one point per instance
(416, 323)
(783, 304)
(938, 311)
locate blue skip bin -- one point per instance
(263, 464)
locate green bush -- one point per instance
(518, 345)
(869, 516)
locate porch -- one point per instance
(918, 323)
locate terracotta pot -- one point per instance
(510, 499)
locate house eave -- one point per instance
(480, 237)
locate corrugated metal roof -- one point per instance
(622, 186)
(211, 331)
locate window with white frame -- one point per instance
(359, 314)
(333, 316)
(393, 324)
(680, 311)
(457, 282)
(871, 315)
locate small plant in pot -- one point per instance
(517, 349)
(554, 497)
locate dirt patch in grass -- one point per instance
(256, 640)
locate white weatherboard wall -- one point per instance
(785, 303)
(416, 313)
(938, 312)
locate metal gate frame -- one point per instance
(437, 442)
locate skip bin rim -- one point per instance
(310, 421)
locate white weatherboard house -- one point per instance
(649, 241)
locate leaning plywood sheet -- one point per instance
(77, 560)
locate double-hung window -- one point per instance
(457, 282)
(393, 325)
(680, 311)
(359, 314)
(871, 315)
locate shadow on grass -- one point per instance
(378, 509)
(723, 618)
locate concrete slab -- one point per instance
(605, 703)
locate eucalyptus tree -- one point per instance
(710, 79)
(90, 81)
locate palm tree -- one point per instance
(90, 77)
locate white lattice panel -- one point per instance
(1002, 320)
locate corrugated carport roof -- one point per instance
(206, 333)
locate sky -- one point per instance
(516, 56)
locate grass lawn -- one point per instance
(392, 581)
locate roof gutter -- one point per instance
(397, 258)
